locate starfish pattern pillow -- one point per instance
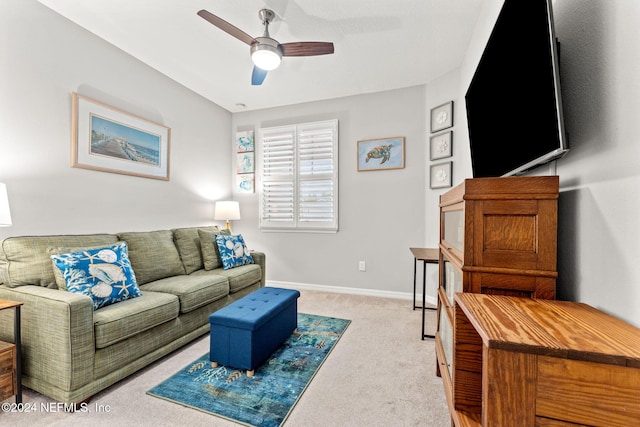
(233, 251)
(104, 274)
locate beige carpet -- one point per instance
(380, 374)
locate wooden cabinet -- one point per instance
(532, 362)
(10, 357)
(497, 236)
(8, 374)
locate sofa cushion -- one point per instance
(233, 251)
(188, 243)
(103, 274)
(209, 247)
(239, 277)
(193, 291)
(153, 255)
(120, 321)
(25, 260)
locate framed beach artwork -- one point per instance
(380, 154)
(104, 138)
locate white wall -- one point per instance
(43, 59)
(381, 212)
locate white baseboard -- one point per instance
(354, 291)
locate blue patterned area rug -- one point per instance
(267, 398)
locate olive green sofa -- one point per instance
(71, 351)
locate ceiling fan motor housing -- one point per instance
(266, 15)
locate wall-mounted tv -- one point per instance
(513, 103)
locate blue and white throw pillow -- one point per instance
(104, 274)
(233, 251)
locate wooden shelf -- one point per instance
(529, 362)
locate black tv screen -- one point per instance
(513, 103)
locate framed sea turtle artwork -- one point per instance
(381, 153)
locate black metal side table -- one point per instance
(427, 256)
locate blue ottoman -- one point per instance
(246, 332)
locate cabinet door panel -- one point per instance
(586, 392)
(508, 233)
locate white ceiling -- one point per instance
(379, 44)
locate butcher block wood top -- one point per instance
(562, 329)
(5, 303)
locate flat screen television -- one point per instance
(513, 103)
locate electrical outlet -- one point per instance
(362, 266)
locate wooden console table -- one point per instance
(427, 256)
(11, 357)
(527, 362)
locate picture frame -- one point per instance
(245, 183)
(245, 141)
(245, 162)
(107, 139)
(442, 117)
(440, 145)
(440, 175)
(380, 153)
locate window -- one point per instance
(299, 177)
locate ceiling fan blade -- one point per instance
(226, 27)
(257, 76)
(306, 48)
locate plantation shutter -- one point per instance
(299, 185)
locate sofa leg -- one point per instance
(250, 373)
(214, 364)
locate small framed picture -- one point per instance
(442, 117)
(245, 183)
(245, 162)
(245, 141)
(380, 154)
(440, 145)
(440, 175)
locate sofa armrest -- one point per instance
(260, 259)
(58, 342)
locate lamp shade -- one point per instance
(266, 54)
(227, 211)
(5, 212)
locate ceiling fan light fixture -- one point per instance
(266, 56)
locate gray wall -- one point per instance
(381, 212)
(599, 206)
(600, 177)
(44, 59)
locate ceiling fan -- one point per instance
(266, 53)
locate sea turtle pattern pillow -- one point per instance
(233, 251)
(104, 274)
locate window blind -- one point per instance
(299, 177)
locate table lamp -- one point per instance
(5, 212)
(228, 210)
